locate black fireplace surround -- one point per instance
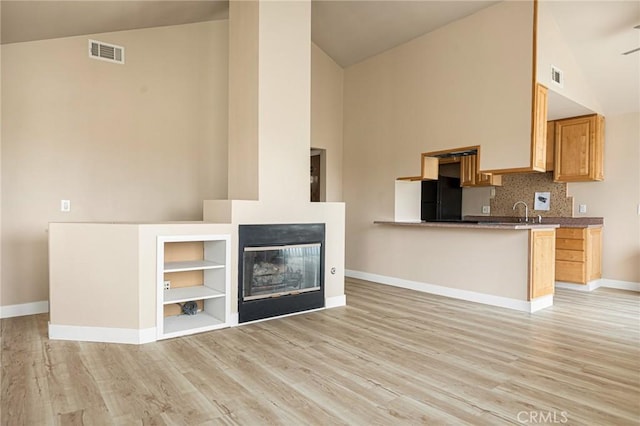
(280, 269)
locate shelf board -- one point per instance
(186, 324)
(191, 265)
(183, 294)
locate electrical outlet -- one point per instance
(167, 285)
(65, 205)
(582, 208)
(486, 209)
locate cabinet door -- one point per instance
(542, 268)
(484, 179)
(594, 254)
(551, 145)
(578, 151)
(572, 272)
(539, 142)
(598, 149)
(468, 170)
(469, 175)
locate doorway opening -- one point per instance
(317, 175)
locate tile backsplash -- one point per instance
(522, 187)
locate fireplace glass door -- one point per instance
(280, 270)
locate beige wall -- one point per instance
(144, 141)
(94, 268)
(617, 198)
(473, 199)
(326, 118)
(284, 100)
(553, 50)
(443, 90)
(488, 261)
(0, 158)
(468, 83)
(243, 100)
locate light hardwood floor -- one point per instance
(391, 357)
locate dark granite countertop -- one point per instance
(564, 222)
(481, 224)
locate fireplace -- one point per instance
(280, 269)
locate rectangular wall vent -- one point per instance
(106, 52)
(557, 76)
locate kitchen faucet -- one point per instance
(526, 210)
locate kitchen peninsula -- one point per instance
(511, 265)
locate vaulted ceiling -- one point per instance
(349, 31)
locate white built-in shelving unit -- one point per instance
(212, 294)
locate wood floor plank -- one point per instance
(392, 356)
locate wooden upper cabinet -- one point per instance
(468, 170)
(469, 175)
(429, 168)
(579, 146)
(539, 129)
(551, 145)
(485, 179)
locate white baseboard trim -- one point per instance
(102, 334)
(541, 302)
(454, 293)
(603, 282)
(590, 286)
(620, 285)
(9, 311)
(335, 301)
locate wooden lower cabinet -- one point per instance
(578, 254)
(542, 267)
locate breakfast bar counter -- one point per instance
(472, 224)
(505, 264)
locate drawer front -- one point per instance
(568, 244)
(571, 255)
(572, 233)
(573, 272)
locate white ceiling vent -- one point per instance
(557, 76)
(106, 52)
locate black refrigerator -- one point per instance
(441, 199)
